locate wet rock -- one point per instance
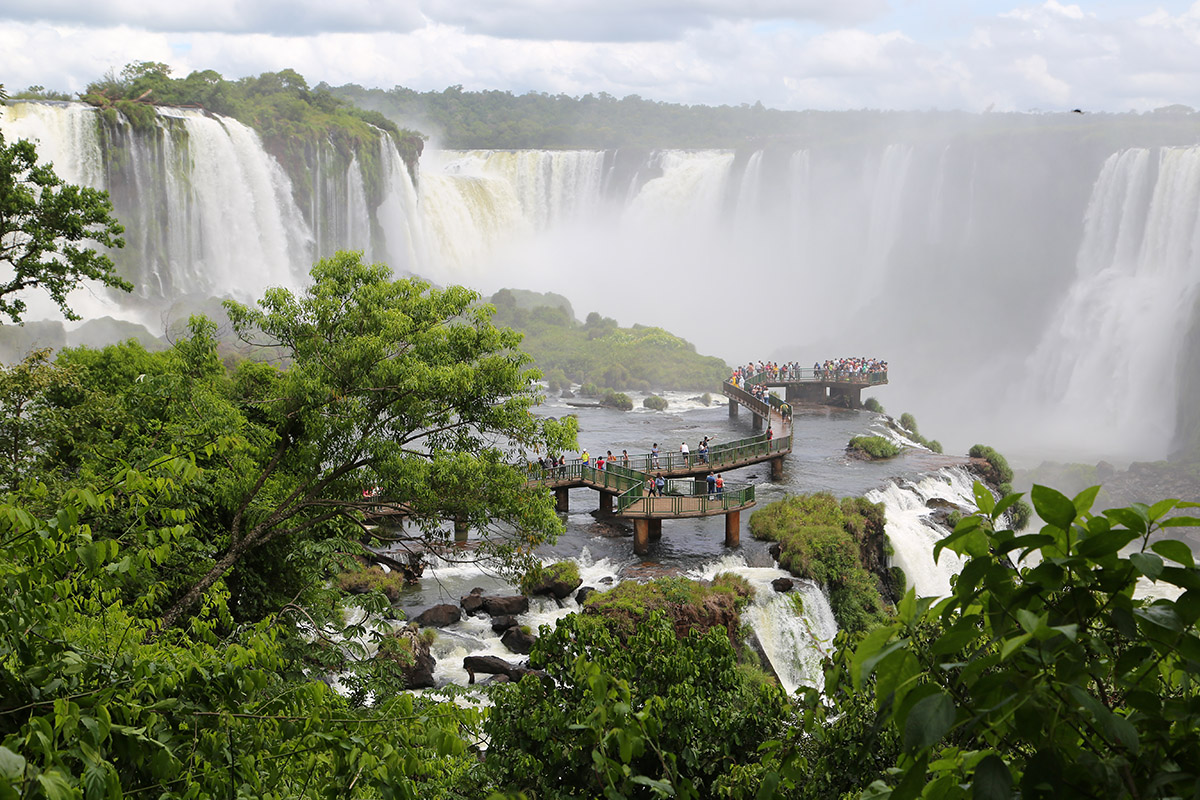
(439, 616)
(410, 651)
(490, 665)
(583, 593)
(567, 393)
(774, 550)
(607, 580)
(472, 602)
(782, 585)
(503, 623)
(554, 587)
(518, 640)
(506, 606)
(938, 502)
(1105, 470)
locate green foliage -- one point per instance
(876, 447)
(692, 604)
(830, 542)
(648, 715)
(908, 422)
(656, 403)
(1002, 472)
(1052, 678)
(372, 579)
(49, 230)
(600, 353)
(873, 405)
(617, 400)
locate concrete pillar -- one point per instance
(733, 409)
(733, 529)
(460, 529)
(606, 502)
(562, 499)
(757, 423)
(655, 529)
(641, 536)
(777, 469)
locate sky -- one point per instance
(971, 55)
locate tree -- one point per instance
(390, 384)
(48, 232)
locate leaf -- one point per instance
(1148, 564)
(12, 765)
(1180, 522)
(1103, 544)
(1012, 644)
(1006, 502)
(983, 498)
(928, 721)
(56, 785)
(1083, 501)
(992, 779)
(1130, 518)
(1053, 506)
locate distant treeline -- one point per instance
(464, 120)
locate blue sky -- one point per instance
(1111, 55)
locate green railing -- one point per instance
(685, 496)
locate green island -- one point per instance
(175, 526)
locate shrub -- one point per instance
(617, 400)
(871, 404)
(771, 522)
(876, 447)
(1004, 473)
(589, 389)
(565, 571)
(655, 402)
(372, 579)
(706, 398)
(934, 445)
(908, 422)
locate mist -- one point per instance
(1030, 278)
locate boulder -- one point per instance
(554, 587)
(410, 651)
(506, 606)
(501, 624)
(518, 641)
(490, 665)
(472, 602)
(439, 616)
(782, 585)
(774, 551)
(583, 593)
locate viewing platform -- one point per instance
(624, 488)
(826, 386)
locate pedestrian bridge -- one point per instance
(623, 484)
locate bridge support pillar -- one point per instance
(641, 536)
(733, 529)
(460, 529)
(777, 469)
(733, 409)
(757, 423)
(562, 499)
(655, 529)
(606, 503)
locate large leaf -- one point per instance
(1053, 506)
(930, 719)
(992, 780)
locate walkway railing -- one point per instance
(810, 375)
(683, 496)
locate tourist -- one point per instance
(687, 456)
(600, 463)
(712, 484)
(770, 433)
(650, 486)
(720, 486)
(586, 458)
(654, 456)
(625, 459)
(660, 485)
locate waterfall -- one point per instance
(1109, 359)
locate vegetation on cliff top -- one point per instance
(876, 447)
(598, 351)
(840, 544)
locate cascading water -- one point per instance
(1112, 353)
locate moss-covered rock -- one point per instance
(875, 448)
(656, 403)
(556, 580)
(691, 605)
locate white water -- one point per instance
(912, 532)
(959, 259)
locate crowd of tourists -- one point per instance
(845, 369)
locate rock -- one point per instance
(501, 624)
(411, 651)
(554, 587)
(1105, 470)
(506, 606)
(491, 665)
(567, 393)
(518, 641)
(938, 502)
(583, 593)
(472, 602)
(439, 616)
(782, 585)
(607, 580)
(774, 551)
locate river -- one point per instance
(793, 634)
